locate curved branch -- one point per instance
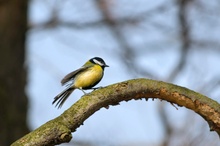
(59, 129)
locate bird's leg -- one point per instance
(82, 90)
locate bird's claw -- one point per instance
(96, 88)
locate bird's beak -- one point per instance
(106, 65)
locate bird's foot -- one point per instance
(96, 88)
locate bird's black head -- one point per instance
(99, 61)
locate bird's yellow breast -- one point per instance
(89, 78)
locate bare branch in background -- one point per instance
(128, 55)
(166, 124)
(207, 44)
(115, 25)
(185, 39)
(181, 63)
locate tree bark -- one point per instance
(59, 129)
(13, 24)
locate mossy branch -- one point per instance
(59, 129)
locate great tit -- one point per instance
(86, 77)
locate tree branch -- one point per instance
(59, 129)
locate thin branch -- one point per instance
(185, 46)
(166, 124)
(54, 21)
(128, 53)
(59, 129)
(185, 38)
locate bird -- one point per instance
(84, 78)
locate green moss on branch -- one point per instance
(59, 129)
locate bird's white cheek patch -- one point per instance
(97, 62)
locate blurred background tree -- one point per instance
(13, 26)
(173, 41)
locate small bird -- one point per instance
(86, 77)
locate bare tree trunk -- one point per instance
(13, 26)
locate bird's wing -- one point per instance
(71, 75)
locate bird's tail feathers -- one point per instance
(61, 98)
